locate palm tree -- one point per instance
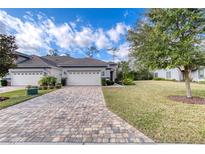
(114, 50)
(91, 51)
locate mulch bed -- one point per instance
(184, 99)
(3, 98)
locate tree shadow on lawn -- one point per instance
(184, 99)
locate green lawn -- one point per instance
(147, 107)
(18, 96)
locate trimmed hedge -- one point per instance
(128, 81)
(4, 83)
(163, 79)
(103, 82)
(109, 82)
(157, 78)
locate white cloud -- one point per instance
(29, 36)
(122, 52)
(84, 38)
(33, 36)
(61, 35)
(101, 40)
(117, 32)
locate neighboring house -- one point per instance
(77, 71)
(175, 73)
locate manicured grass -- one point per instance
(147, 107)
(18, 96)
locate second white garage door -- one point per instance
(84, 78)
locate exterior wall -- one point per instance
(175, 74)
(196, 77)
(56, 72)
(113, 68)
(107, 74)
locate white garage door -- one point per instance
(25, 78)
(84, 78)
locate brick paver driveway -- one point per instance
(71, 114)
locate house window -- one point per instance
(168, 75)
(155, 75)
(201, 73)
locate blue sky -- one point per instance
(70, 30)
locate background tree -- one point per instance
(114, 50)
(170, 38)
(8, 48)
(91, 51)
(123, 70)
(53, 52)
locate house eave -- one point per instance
(80, 66)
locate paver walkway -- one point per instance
(71, 114)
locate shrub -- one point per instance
(40, 88)
(63, 81)
(128, 81)
(201, 82)
(44, 87)
(58, 86)
(109, 82)
(48, 81)
(103, 82)
(4, 83)
(29, 86)
(170, 79)
(51, 87)
(157, 78)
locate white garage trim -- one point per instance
(84, 77)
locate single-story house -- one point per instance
(77, 71)
(196, 75)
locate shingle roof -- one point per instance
(58, 59)
(62, 61)
(69, 61)
(36, 61)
